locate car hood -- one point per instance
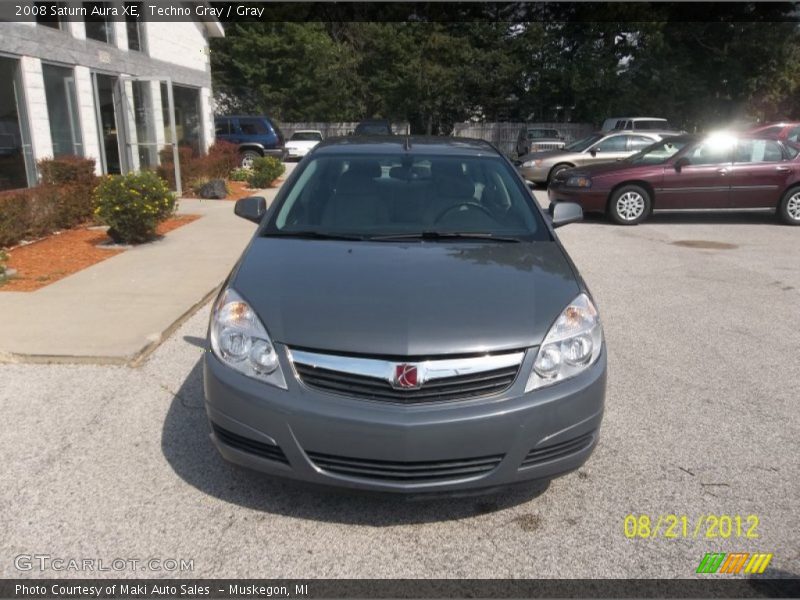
(405, 299)
(301, 143)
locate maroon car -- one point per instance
(789, 132)
(715, 172)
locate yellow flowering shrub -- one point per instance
(133, 205)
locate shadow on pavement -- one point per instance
(190, 453)
(695, 218)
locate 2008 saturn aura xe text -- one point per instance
(405, 319)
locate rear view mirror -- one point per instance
(252, 208)
(564, 213)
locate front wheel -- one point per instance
(247, 157)
(789, 208)
(629, 205)
(555, 171)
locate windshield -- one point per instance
(373, 129)
(583, 143)
(306, 136)
(538, 134)
(659, 152)
(366, 196)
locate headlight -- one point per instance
(240, 340)
(572, 345)
(532, 163)
(579, 181)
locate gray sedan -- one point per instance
(406, 320)
(541, 167)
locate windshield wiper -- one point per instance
(444, 235)
(315, 235)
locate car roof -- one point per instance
(307, 131)
(406, 143)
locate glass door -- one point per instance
(139, 123)
(17, 167)
(106, 111)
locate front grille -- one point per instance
(555, 451)
(260, 449)
(459, 387)
(406, 472)
(542, 146)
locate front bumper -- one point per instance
(536, 174)
(296, 152)
(591, 200)
(300, 432)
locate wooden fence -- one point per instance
(504, 135)
(335, 129)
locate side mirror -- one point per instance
(252, 208)
(593, 152)
(680, 163)
(564, 213)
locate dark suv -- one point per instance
(255, 135)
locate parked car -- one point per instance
(719, 171)
(255, 135)
(780, 131)
(405, 319)
(302, 141)
(638, 124)
(536, 139)
(541, 167)
(374, 127)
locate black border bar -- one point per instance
(713, 586)
(445, 11)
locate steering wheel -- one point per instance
(468, 205)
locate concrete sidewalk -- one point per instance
(118, 310)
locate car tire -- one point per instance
(789, 207)
(555, 171)
(246, 158)
(629, 205)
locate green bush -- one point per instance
(133, 205)
(240, 174)
(266, 169)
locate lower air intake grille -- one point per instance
(406, 472)
(260, 449)
(556, 451)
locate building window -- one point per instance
(188, 124)
(135, 28)
(99, 26)
(62, 109)
(16, 159)
(48, 15)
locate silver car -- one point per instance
(405, 319)
(541, 167)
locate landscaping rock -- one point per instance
(213, 190)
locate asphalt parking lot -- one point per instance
(701, 317)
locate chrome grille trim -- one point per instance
(439, 380)
(384, 369)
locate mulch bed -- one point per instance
(60, 255)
